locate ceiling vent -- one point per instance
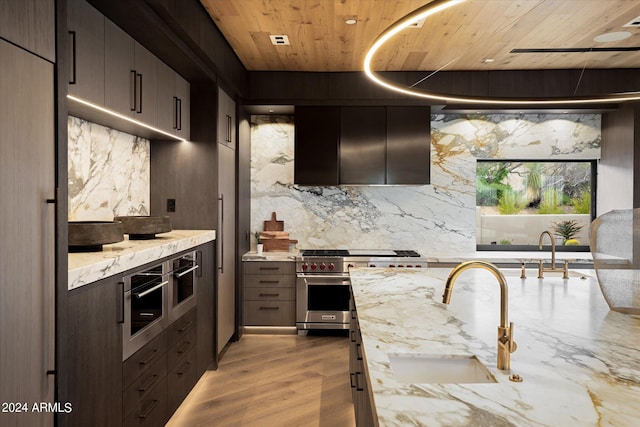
(633, 23)
(279, 40)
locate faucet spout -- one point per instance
(553, 246)
(506, 344)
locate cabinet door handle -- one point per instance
(358, 386)
(120, 302)
(184, 368)
(186, 326)
(269, 268)
(175, 112)
(72, 68)
(199, 262)
(139, 78)
(221, 231)
(146, 386)
(149, 410)
(351, 378)
(149, 358)
(269, 308)
(228, 128)
(184, 348)
(179, 109)
(270, 281)
(133, 90)
(269, 295)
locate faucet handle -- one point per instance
(513, 346)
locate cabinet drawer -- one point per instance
(181, 327)
(181, 380)
(143, 359)
(269, 313)
(269, 267)
(152, 410)
(144, 386)
(182, 347)
(269, 294)
(269, 280)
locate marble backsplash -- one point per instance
(434, 219)
(108, 172)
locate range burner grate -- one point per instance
(325, 252)
(407, 253)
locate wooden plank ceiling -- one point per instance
(463, 36)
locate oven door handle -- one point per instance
(335, 278)
(185, 272)
(148, 291)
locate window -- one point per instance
(517, 200)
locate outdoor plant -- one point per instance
(510, 203)
(550, 203)
(567, 230)
(582, 203)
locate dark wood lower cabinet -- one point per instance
(149, 386)
(206, 329)
(360, 392)
(94, 356)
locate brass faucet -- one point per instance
(541, 269)
(506, 344)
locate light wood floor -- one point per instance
(274, 380)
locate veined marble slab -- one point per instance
(89, 267)
(579, 360)
(270, 256)
(513, 257)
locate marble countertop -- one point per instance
(513, 256)
(579, 360)
(88, 267)
(270, 256)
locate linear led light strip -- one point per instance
(123, 117)
(438, 6)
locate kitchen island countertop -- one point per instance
(89, 267)
(579, 360)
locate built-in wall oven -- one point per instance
(145, 307)
(182, 284)
(323, 286)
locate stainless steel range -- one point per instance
(322, 284)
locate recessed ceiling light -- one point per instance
(350, 21)
(488, 60)
(278, 40)
(612, 37)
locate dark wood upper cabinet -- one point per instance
(362, 145)
(131, 76)
(317, 136)
(86, 38)
(31, 25)
(408, 145)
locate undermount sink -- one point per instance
(411, 368)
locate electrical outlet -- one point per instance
(171, 205)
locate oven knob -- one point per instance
(392, 265)
(305, 266)
(314, 266)
(400, 266)
(323, 266)
(350, 265)
(332, 266)
(409, 266)
(418, 266)
(372, 265)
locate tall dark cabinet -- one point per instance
(317, 138)
(27, 254)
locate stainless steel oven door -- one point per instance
(183, 283)
(322, 301)
(145, 308)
